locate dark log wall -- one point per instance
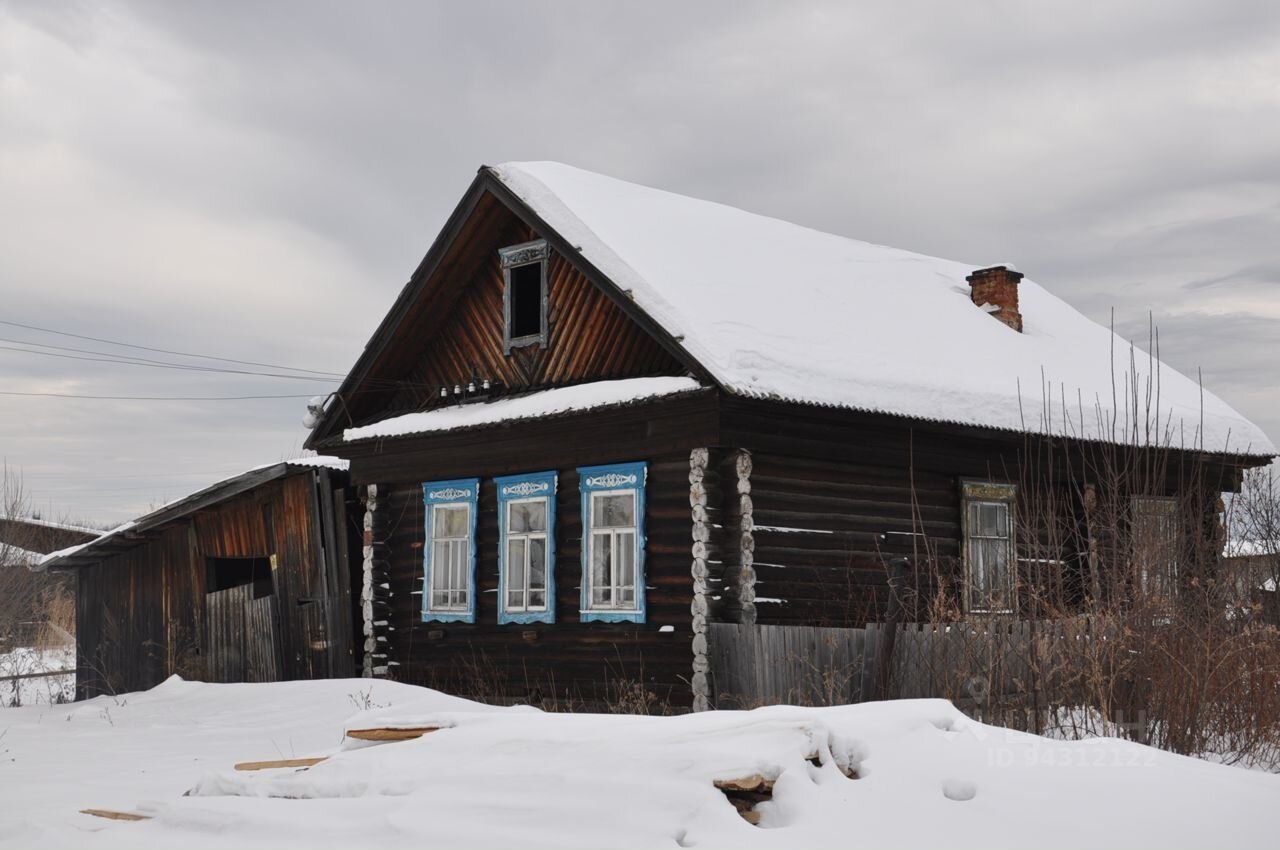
(577, 663)
(589, 336)
(142, 614)
(833, 502)
(837, 494)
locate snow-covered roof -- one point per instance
(11, 555)
(532, 406)
(774, 310)
(175, 508)
(1250, 548)
(61, 526)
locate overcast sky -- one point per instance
(258, 180)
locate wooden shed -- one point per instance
(244, 581)
(600, 417)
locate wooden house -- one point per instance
(244, 581)
(600, 416)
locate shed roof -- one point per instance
(131, 533)
(774, 310)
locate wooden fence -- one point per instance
(798, 665)
(985, 667)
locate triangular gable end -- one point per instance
(446, 326)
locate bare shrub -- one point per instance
(1128, 621)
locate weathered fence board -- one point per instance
(985, 666)
(801, 665)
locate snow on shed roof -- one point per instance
(532, 406)
(775, 310)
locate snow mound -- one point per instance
(923, 775)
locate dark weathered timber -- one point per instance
(145, 612)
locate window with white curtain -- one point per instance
(449, 554)
(526, 557)
(613, 542)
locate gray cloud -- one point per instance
(261, 179)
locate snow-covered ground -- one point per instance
(516, 777)
(24, 661)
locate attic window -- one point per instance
(226, 573)
(524, 299)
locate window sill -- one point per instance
(524, 618)
(448, 617)
(525, 341)
(611, 616)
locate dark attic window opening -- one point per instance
(524, 274)
(526, 300)
(226, 573)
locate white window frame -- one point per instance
(978, 600)
(444, 495)
(599, 482)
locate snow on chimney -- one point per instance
(996, 290)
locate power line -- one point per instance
(169, 365)
(155, 397)
(374, 384)
(124, 358)
(166, 350)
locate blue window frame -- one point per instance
(527, 550)
(449, 556)
(613, 542)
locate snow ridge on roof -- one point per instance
(775, 310)
(532, 406)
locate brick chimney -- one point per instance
(996, 289)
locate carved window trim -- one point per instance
(458, 493)
(512, 257)
(614, 479)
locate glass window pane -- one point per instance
(459, 556)
(627, 560)
(990, 526)
(537, 599)
(615, 511)
(449, 521)
(515, 563)
(601, 571)
(537, 563)
(525, 517)
(518, 517)
(440, 565)
(536, 515)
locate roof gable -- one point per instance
(446, 325)
(774, 310)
